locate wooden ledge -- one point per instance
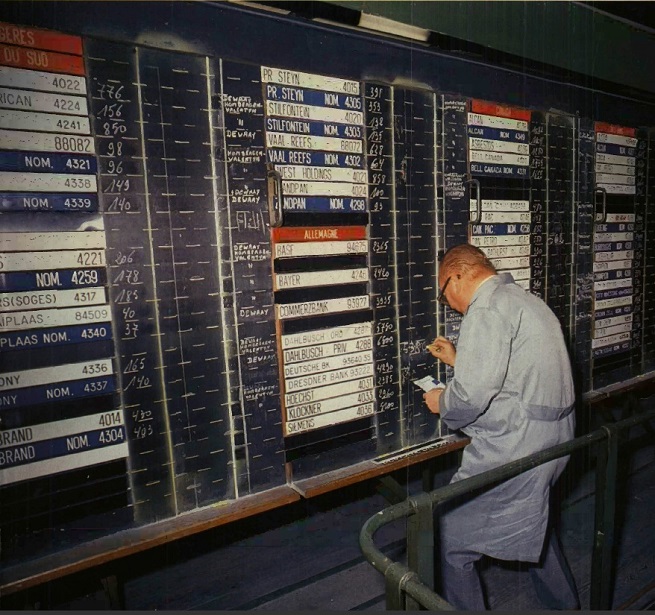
(343, 477)
(134, 540)
(23, 575)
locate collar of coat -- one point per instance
(489, 285)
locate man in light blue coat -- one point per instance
(512, 394)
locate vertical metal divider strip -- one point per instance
(606, 466)
(395, 601)
(185, 396)
(645, 250)
(235, 319)
(112, 324)
(642, 362)
(394, 226)
(420, 542)
(592, 171)
(636, 206)
(609, 520)
(219, 246)
(574, 229)
(158, 333)
(546, 209)
(439, 213)
(369, 284)
(599, 530)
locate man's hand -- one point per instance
(431, 399)
(443, 349)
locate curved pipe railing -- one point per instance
(402, 582)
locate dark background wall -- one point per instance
(605, 40)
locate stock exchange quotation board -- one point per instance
(220, 276)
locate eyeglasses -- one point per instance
(440, 297)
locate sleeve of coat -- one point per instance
(483, 352)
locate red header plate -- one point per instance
(41, 60)
(614, 129)
(318, 233)
(11, 34)
(487, 108)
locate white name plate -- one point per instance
(47, 182)
(307, 279)
(510, 263)
(491, 145)
(613, 256)
(610, 303)
(326, 378)
(507, 217)
(329, 405)
(309, 80)
(605, 137)
(615, 169)
(331, 363)
(292, 188)
(37, 80)
(612, 339)
(613, 330)
(514, 159)
(325, 392)
(611, 284)
(41, 319)
(612, 265)
(323, 351)
(506, 251)
(312, 112)
(325, 306)
(40, 101)
(602, 237)
(61, 429)
(615, 320)
(55, 374)
(493, 121)
(18, 301)
(64, 259)
(63, 464)
(500, 240)
(46, 142)
(327, 174)
(323, 336)
(320, 248)
(47, 122)
(332, 418)
(614, 159)
(500, 205)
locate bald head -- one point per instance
(466, 259)
(461, 271)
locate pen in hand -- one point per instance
(443, 349)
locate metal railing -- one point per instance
(411, 586)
